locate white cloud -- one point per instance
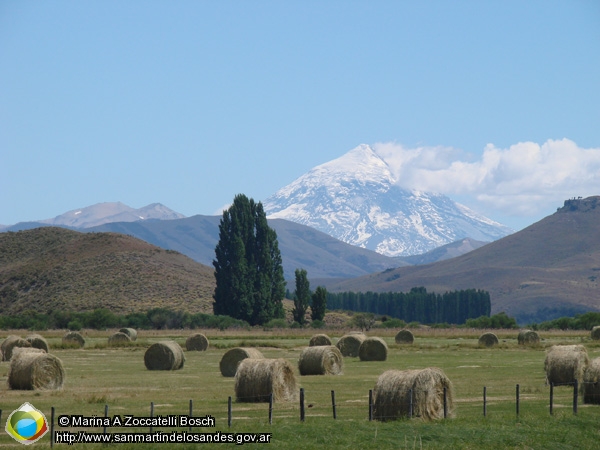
(521, 180)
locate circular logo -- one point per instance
(26, 424)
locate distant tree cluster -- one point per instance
(101, 319)
(248, 266)
(303, 298)
(418, 305)
(497, 321)
(585, 321)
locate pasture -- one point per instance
(99, 375)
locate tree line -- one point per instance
(102, 318)
(418, 305)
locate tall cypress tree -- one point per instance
(248, 267)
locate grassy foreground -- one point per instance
(98, 375)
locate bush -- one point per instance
(364, 321)
(497, 321)
(393, 323)
(101, 318)
(74, 325)
(137, 321)
(275, 323)
(317, 324)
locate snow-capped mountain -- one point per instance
(108, 212)
(356, 199)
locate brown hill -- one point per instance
(549, 269)
(48, 268)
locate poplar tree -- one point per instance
(301, 297)
(319, 303)
(248, 266)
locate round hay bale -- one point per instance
(404, 337)
(595, 334)
(232, 358)
(256, 379)
(591, 383)
(73, 339)
(119, 338)
(31, 370)
(38, 341)
(349, 344)
(319, 339)
(488, 340)
(10, 343)
(129, 332)
(197, 342)
(565, 364)
(164, 355)
(373, 349)
(528, 337)
(321, 360)
(391, 396)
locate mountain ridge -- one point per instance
(105, 212)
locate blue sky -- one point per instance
(189, 103)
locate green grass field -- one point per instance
(98, 375)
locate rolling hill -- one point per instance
(48, 268)
(547, 270)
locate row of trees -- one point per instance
(248, 268)
(303, 298)
(249, 272)
(418, 305)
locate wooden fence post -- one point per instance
(484, 401)
(517, 395)
(229, 412)
(271, 409)
(105, 416)
(333, 404)
(551, 397)
(302, 404)
(151, 413)
(370, 405)
(191, 412)
(575, 396)
(445, 402)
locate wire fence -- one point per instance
(366, 407)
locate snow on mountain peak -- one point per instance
(361, 162)
(356, 199)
